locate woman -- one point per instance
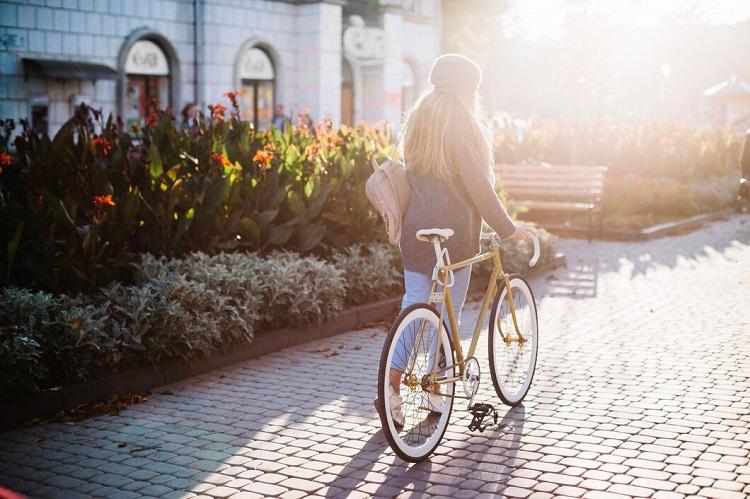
(448, 156)
(190, 117)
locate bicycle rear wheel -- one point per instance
(512, 364)
(414, 419)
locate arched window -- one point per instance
(147, 81)
(257, 87)
(408, 87)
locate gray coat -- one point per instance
(459, 203)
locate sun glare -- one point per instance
(546, 18)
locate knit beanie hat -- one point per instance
(455, 74)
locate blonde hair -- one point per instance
(440, 127)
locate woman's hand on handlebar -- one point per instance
(523, 232)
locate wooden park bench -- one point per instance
(556, 188)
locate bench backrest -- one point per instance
(569, 183)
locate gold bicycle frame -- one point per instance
(447, 300)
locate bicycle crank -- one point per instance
(470, 379)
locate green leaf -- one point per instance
(155, 164)
(267, 216)
(291, 155)
(279, 235)
(251, 229)
(297, 205)
(311, 236)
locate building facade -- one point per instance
(350, 61)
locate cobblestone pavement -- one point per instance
(641, 390)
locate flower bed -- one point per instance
(79, 209)
(658, 171)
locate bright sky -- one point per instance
(545, 18)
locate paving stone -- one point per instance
(221, 492)
(154, 490)
(111, 480)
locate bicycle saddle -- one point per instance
(429, 234)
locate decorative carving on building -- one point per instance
(146, 58)
(364, 44)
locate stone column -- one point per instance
(318, 50)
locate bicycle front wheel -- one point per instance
(413, 412)
(512, 362)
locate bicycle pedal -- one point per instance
(479, 413)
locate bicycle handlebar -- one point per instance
(534, 239)
(537, 251)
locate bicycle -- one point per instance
(415, 424)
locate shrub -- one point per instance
(299, 291)
(370, 272)
(21, 368)
(42, 340)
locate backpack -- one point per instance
(389, 191)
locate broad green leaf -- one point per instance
(291, 155)
(251, 229)
(311, 236)
(267, 216)
(279, 235)
(155, 164)
(297, 205)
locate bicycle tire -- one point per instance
(499, 380)
(396, 438)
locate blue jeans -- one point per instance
(417, 290)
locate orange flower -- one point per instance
(222, 159)
(104, 143)
(217, 111)
(102, 200)
(4, 160)
(263, 156)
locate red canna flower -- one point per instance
(222, 159)
(217, 111)
(104, 143)
(232, 96)
(4, 160)
(104, 200)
